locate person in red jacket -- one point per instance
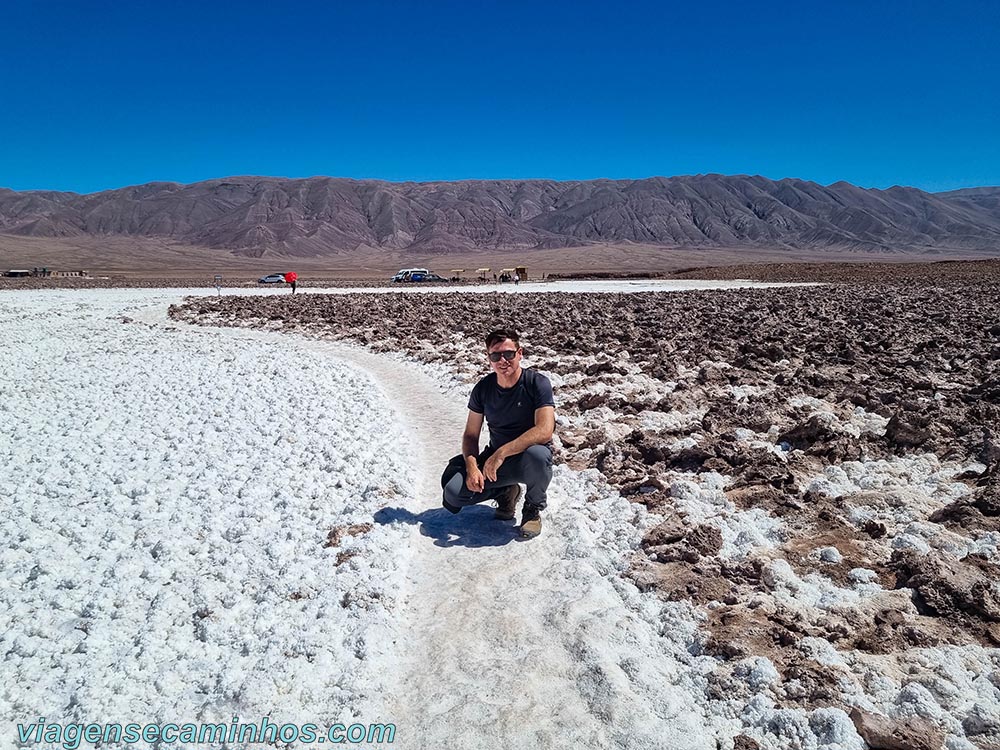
(293, 279)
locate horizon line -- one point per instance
(486, 179)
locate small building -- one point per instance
(518, 273)
(17, 273)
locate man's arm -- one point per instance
(470, 438)
(541, 433)
(545, 424)
(470, 449)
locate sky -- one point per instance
(98, 95)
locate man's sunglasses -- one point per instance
(509, 356)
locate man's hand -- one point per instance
(492, 465)
(474, 480)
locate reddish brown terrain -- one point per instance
(128, 261)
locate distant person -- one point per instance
(518, 406)
(517, 278)
(293, 279)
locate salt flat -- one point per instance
(166, 561)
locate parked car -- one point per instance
(430, 277)
(274, 278)
(407, 274)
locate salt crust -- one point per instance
(168, 427)
(164, 544)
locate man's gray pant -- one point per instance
(532, 468)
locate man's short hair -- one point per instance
(495, 337)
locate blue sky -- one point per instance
(97, 95)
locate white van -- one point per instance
(405, 273)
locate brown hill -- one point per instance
(255, 217)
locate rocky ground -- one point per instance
(853, 272)
(822, 462)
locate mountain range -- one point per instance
(324, 216)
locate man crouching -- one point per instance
(518, 406)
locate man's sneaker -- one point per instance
(507, 503)
(531, 522)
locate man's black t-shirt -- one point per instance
(510, 412)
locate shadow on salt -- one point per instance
(473, 527)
